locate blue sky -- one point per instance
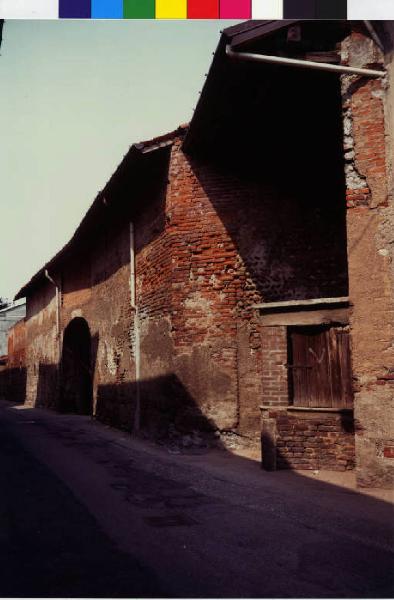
(75, 95)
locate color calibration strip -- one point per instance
(194, 9)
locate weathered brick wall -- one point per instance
(3, 382)
(208, 246)
(203, 291)
(42, 347)
(228, 250)
(309, 439)
(16, 365)
(370, 223)
(275, 375)
(251, 383)
(159, 394)
(95, 285)
(99, 291)
(17, 344)
(211, 244)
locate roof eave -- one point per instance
(135, 151)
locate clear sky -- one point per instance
(74, 96)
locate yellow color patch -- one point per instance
(171, 9)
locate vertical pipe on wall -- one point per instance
(132, 266)
(57, 310)
(137, 357)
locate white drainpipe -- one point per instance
(57, 309)
(302, 64)
(137, 354)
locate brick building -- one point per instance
(237, 274)
(12, 350)
(9, 315)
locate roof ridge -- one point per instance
(180, 130)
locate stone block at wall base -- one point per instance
(301, 438)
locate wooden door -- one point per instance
(320, 367)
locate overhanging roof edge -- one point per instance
(136, 150)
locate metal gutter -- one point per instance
(136, 345)
(147, 149)
(302, 64)
(57, 311)
(374, 35)
(296, 303)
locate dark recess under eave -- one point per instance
(227, 111)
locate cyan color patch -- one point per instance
(107, 9)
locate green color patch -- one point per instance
(138, 9)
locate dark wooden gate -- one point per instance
(320, 367)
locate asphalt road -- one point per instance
(87, 512)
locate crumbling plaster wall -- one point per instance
(42, 347)
(16, 365)
(230, 248)
(96, 287)
(370, 225)
(207, 249)
(17, 344)
(153, 263)
(13, 375)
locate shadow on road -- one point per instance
(254, 534)
(50, 544)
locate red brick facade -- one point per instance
(313, 440)
(287, 435)
(17, 345)
(274, 372)
(13, 378)
(369, 230)
(201, 259)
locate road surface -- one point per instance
(86, 511)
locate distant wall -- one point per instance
(42, 349)
(8, 317)
(13, 374)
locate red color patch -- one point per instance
(203, 9)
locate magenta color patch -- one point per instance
(235, 9)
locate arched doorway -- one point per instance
(76, 394)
